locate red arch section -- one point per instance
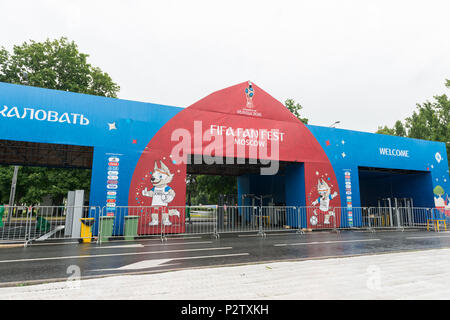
(211, 127)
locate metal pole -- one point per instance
(397, 213)
(12, 193)
(390, 213)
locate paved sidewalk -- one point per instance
(409, 275)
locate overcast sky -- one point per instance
(364, 63)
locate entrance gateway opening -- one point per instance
(41, 174)
(258, 197)
(385, 191)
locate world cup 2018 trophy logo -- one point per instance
(249, 93)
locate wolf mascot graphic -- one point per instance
(161, 195)
(324, 202)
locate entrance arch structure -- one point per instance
(241, 121)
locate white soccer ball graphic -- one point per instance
(313, 220)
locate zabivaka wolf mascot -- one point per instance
(162, 194)
(324, 201)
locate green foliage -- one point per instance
(34, 183)
(397, 130)
(56, 65)
(295, 108)
(386, 130)
(430, 121)
(206, 188)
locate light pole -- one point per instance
(12, 193)
(332, 126)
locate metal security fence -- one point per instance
(14, 223)
(38, 223)
(238, 219)
(279, 218)
(89, 223)
(147, 221)
(191, 220)
(61, 222)
(315, 219)
(396, 218)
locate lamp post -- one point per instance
(332, 126)
(12, 193)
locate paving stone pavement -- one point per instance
(408, 275)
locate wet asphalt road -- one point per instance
(49, 262)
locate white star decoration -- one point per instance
(112, 126)
(343, 154)
(343, 142)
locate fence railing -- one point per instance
(14, 223)
(89, 223)
(38, 223)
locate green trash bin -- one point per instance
(2, 211)
(106, 228)
(188, 213)
(42, 224)
(131, 227)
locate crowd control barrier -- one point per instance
(28, 224)
(45, 223)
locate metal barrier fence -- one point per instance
(14, 224)
(60, 222)
(279, 218)
(232, 219)
(38, 223)
(397, 218)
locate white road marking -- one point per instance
(173, 238)
(323, 242)
(146, 264)
(113, 255)
(54, 243)
(178, 243)
(138, 245)
(268, 234)
(428, 237)
(155, 238)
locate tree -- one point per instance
(34, 183)
(55, 64)
(191, 187)
(212, 186)
(295, 109)
(205, 189)
(430, 121)
(397, 130)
